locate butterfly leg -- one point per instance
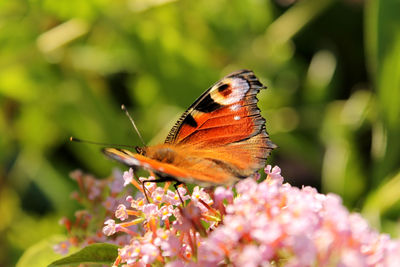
(177, 191)
(144, 188)
(160, 180)
(145, 191)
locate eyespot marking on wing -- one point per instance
(229, 91)
(225, 90)
(235, 93)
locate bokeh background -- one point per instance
(333, 101)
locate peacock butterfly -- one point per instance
(218, 140)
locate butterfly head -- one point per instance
(140, 150)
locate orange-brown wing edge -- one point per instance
(163, 170)
(136, 160)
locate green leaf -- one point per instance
(383, 51)
(383, 198)
(102, 253)
(343, 172)
(40, 253)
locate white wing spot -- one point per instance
(236, 118)
(235, 107)
(161, 169)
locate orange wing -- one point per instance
(219, 139)
(193, 164)
(187, 167)
(226, 118)
(226, 113)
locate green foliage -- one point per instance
(41, 253)
(383, 43)
(332, 107)
(101, 253)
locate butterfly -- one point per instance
(220, 139)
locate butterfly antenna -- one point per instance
(73, 139)
(133, 123)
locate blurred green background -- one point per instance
(333, 103)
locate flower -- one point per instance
(166, 211)
(150, 210)
(173, 197)
(99, 197)
(121, 212)
(130, 253)
(150, 186)
(128, 177)
(157, 195)
(171, 247)
(274, 173)
(117, 184)
(62, 247)
(253, 224)
(149, 253)
(109, 203)
(200, 198)
(109, 229)
(250, 256)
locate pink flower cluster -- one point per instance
(100, 197)
(255, 224)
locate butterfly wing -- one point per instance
(219, 139)
(226, 113)
(226, 116)
(136, 160)
(192, 164)
(186, 167)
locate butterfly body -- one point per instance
(219, 139)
